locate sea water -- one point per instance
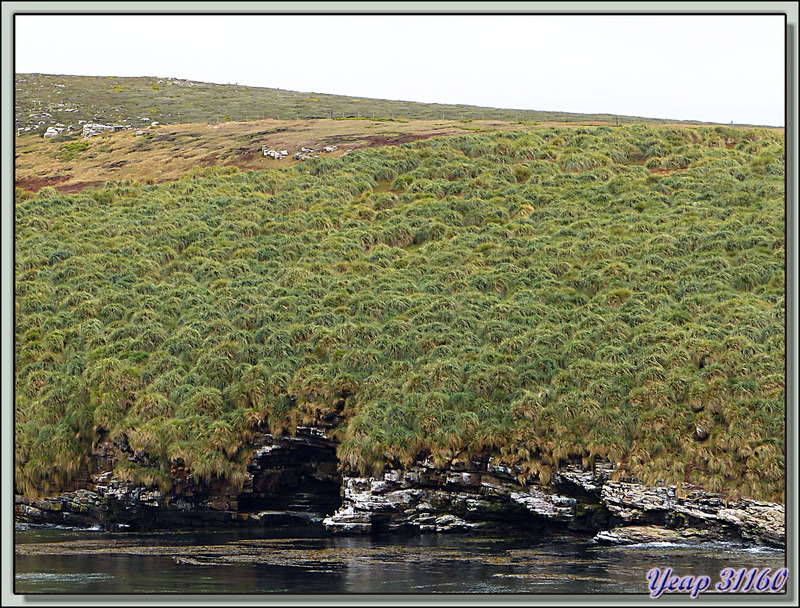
(307, 561)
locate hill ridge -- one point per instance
(140, 100)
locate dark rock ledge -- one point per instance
(295, 481)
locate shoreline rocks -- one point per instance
(296, 481)
(634, 535)
(693, 509)
(290, 481)
(422, 499)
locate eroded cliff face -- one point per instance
(296, 480)
(478, 495)
(485, 497)
(670, 513)
(291, 480)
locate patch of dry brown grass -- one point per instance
(167, 152)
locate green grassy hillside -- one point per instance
(51, 99)
(555, 295)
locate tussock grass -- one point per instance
(505, 297)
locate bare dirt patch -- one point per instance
(74, 187)
(208, 160)
(34, 183)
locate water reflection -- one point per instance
(305, 561)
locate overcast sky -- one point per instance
(709, 68)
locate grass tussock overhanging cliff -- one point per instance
(546, 296)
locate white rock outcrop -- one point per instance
(91, 129)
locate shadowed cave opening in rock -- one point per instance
(296, 478)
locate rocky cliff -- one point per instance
(296, 480)
(691, 514)
(426, 499)
(480, 495)
(291, 480)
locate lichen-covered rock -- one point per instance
(477, 495)
(92, 129)
(78, 508)
(631, 535)
(544, 504)
(630, 501)
(761, 522)
(588, 481)
(452, 523)
(348, 519)
(756, 522)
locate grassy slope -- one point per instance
(199, 134)
(139, 101)
(540, 296)
(69, 163)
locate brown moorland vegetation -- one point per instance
(70, 163)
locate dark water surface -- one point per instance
(306, 561)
